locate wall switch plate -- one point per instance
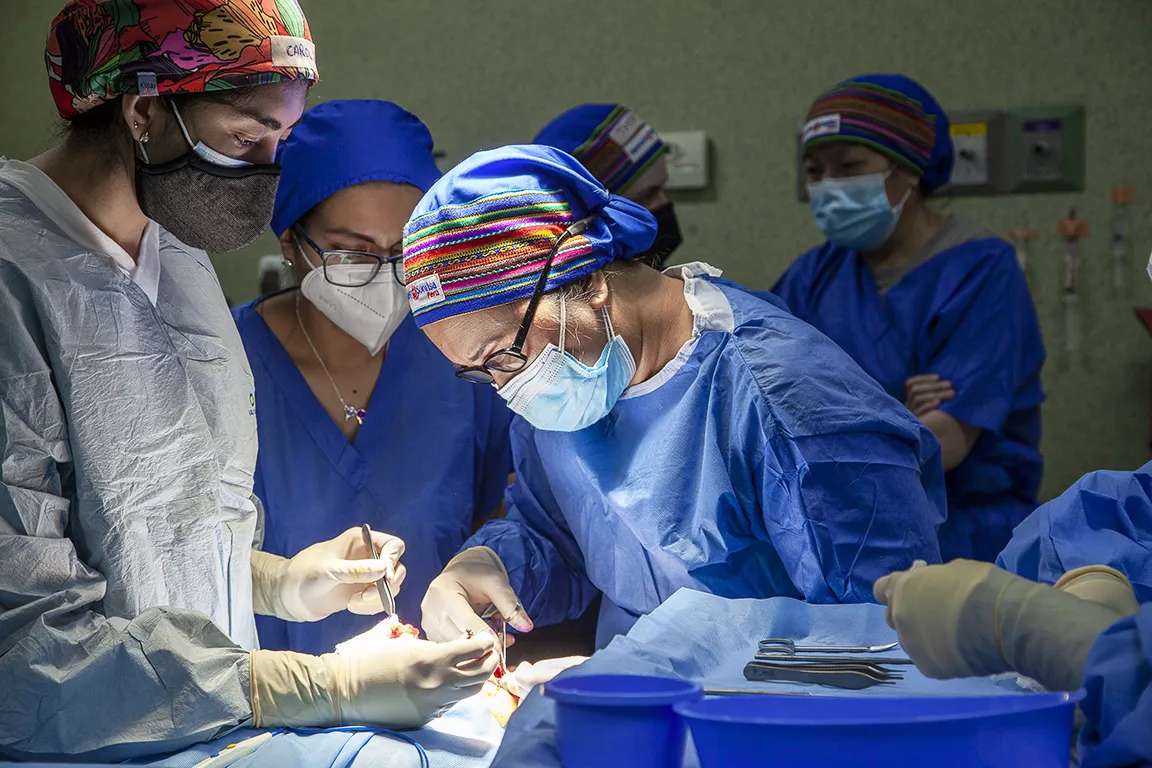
(1046, 149)
(978, 146)
(688, 166)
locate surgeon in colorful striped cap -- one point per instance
(627, 156)
(916, 298)
(672, 430)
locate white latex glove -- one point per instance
(1103, 585)
(401, 684)
(472, 582)
(527, 675)
(334, 575)
(968, 619)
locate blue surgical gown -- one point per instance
(430, 462)
(1118, 707)
(1105, 518)
(762, 461)
(965, 314)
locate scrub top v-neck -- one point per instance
(430, 460)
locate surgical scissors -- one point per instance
(785, 647)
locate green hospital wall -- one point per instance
(487, 73)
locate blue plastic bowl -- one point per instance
(603, 721)
(985, 731)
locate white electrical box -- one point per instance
(978, 151)
(687, 159)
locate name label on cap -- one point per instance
(641, 144)
(425, 292)
(146, 84)
(821, 126)
(293, 52)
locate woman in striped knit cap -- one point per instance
(672, 430)
(935, 308)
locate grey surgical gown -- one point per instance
(128, 444)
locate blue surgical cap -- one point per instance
(339, 144)
(611, 140)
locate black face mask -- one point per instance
(211, 207)
(668, 237)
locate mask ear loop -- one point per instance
(303, 253)
(608, 322)
(563, 320)
(183, 130)
(907, 193)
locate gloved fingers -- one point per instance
(366, 602)
(472, 660)
(391, 549)
(468, 648)
(882, 589)
(508, 605)
(399, 573)
(448, 615)
(358, 571)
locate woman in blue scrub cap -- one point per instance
(360, 419)
(936, 309)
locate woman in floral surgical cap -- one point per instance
(128, 578)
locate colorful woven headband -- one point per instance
(612, 142)
(481, 235)
(892, 114)
(100, 49)
(489, 252)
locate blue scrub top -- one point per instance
(965, 314)
(431, 460)
(761, 462)
(1118, 707)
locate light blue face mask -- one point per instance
(558, 393)
(854, 212)
(205, 152)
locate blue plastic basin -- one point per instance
(1033, 730)
(604, 721)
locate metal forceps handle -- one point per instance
(386, 596)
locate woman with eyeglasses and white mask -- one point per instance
(672, 431)
(360, 418)
(934, 308)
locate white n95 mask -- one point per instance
(368, 313)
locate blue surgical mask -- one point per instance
(205, 152)
(558, 393)
(855, 212)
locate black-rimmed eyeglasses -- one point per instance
(512, 359)
(346, 258)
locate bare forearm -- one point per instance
(956, 438)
